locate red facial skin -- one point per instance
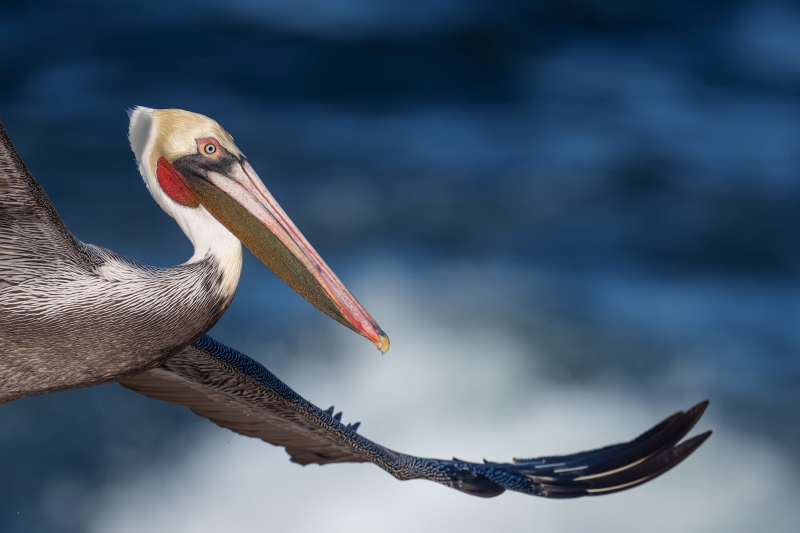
(173, 184)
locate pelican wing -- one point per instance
(33, 239)
(238, 393)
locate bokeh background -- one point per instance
(572, 217)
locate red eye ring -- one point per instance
(209, 147)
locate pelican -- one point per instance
(75, 315)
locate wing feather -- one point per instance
(237, 393)
(33, 239)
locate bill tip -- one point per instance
(383, 342)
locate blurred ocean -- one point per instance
(572, 219)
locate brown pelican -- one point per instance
(74, 315)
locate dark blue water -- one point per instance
(641, 157)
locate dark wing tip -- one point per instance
(608, 477)
(650, 469)
(593, 473)
(697, 411)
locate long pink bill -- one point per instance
(241, 202)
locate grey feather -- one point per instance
(33, 239)
(73, 314)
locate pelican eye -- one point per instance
(209, 147)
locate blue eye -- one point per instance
(210, 148)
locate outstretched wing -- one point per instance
(237, 393)
(33, 239)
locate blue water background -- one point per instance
(639, 160)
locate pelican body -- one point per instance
(74, 315)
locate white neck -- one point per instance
(212, 239)
(209, 237)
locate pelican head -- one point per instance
(198, 176)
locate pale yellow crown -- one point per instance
(175, 133)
